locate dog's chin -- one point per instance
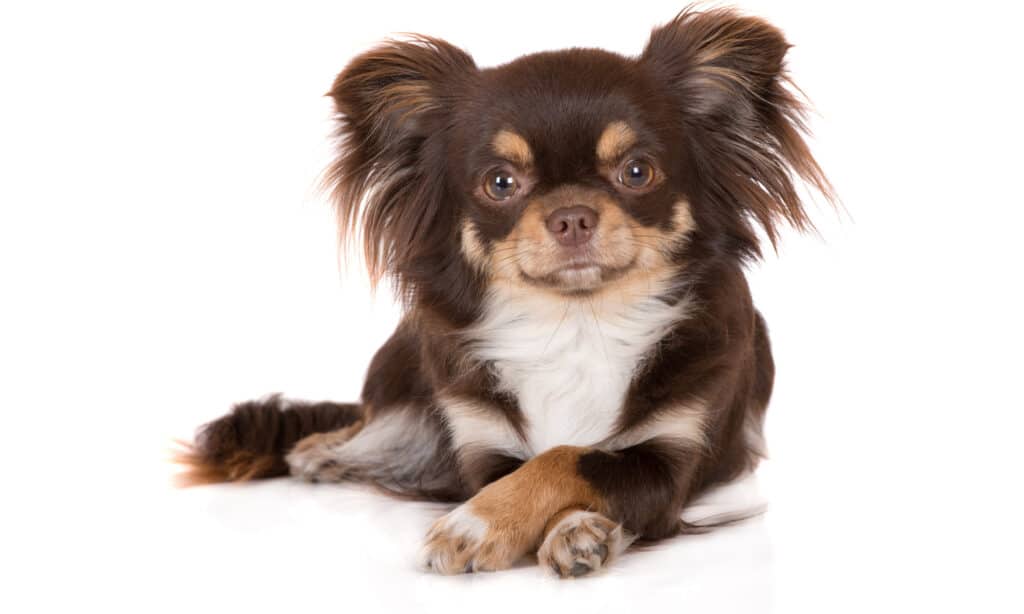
(577, 278)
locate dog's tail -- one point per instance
(251, 441)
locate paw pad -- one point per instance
(581, 543)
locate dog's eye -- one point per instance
(500, 185)
(636, 174)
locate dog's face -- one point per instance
(570, 171)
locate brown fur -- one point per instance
(729, 70)
(250, 442)
(708, 105)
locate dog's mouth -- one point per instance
(578, 274)
(540, 260)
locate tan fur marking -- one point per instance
(531, 249)
(682, 219)
(327, 440)
(618, 243)
(515, 511)
(683, 424)
(548, 483)
(616, 139)
(239, 467)
(472, 248)
(513, 148)
(478, 429)
(528, 233)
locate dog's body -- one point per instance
(580, 353)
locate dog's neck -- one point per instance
(569, 360)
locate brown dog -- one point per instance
(579, 356)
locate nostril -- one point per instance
(586, 218)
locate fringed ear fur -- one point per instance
(391, 103)
(746, 123)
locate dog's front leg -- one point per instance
(567, 504)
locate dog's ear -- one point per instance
(392, 104)
(727, 73)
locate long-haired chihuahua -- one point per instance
(579, 355)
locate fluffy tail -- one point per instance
(251, 441)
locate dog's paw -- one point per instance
(463, 542)
(582, 543)
(316, 458)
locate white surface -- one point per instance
(163, 254)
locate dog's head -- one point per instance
(569, 171)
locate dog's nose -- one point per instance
(572, 226)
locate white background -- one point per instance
(164, 253)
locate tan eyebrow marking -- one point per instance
(615, 140)
(513, 147)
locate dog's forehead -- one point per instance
(560, 105)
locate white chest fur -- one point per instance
(569, 362)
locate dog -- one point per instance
(579, 356)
